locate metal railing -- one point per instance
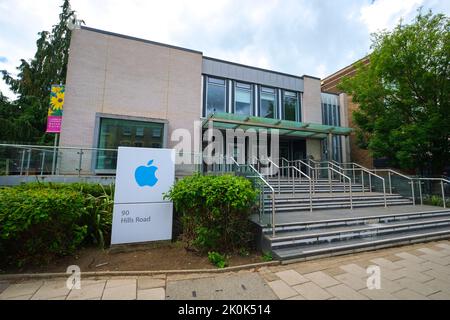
(329, 168)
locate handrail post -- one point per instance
(362, 182)
(443, 194)
(351, 196)
(384, 193)
(390, 185)
(28, 161)
(420, 192)
(21, 162)
(273, 213)
(293, 182)
(80, 159)
(412, 192)
(329, 180)
(310, 196)
(354, 175)
(42, 162)
(370, 183)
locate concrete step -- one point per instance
(338, 205)
(361, 244)
(306, 238)
(357, 221)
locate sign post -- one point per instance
(54, 117)
(140, 212)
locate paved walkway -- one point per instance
(420, 271)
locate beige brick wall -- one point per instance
(312, 110)
(114, 75)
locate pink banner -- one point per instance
(54, 124)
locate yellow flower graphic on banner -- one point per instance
(56, 101)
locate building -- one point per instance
(124, 91)
(329, 84)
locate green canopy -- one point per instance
(285, 127)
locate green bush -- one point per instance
(220, 261)
(41, 221)
(214, 211)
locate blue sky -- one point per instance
(292, 36)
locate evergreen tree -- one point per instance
(33, 83)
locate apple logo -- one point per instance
(145, 175)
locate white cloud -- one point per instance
(385, 14)
(292, 36)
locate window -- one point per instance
(215, 95)
(331, 116)
(268, 103)
(291, 106)
(117, 132)
(243, 99)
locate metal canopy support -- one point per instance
(330, 146)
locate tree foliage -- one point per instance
(403, 94)
(26, 117)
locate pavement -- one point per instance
(419, 271)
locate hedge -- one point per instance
(39, 222)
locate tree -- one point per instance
(33, 82)
(403, 94)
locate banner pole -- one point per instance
(54, 154)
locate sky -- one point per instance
(313, 37)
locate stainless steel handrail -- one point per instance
(273, 196)
(364, 169)
(293, 180)
(346, 177)
(259, 175)
(390, 171)
(442, 180)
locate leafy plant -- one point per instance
(214, 211)
(267, 256)
(217, 259)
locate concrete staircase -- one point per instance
(319, 238)
(333, 228)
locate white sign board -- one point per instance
(140, 212)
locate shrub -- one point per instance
(217, 259)
(36, 224)
(214, 211)
(267, 256)
(40, 221)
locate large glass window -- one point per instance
(291, 106)
(331, 117)
(215, 95)
(117, 132)
(268, 103)
(243, 98)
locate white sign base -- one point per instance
(148, 222)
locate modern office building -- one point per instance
(124, 91)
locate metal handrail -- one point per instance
(363, 169)
(259, 175)
(390, 171)
(293, 180)
(442, 180)
(344, 176)
(310, 184)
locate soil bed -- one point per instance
(158, 256)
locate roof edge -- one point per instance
(123, 36)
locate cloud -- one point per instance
(292, 36)
(3, 59)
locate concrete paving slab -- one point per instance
(21, 289)
(231, 287)
(377, 294)
(352, 281)
(90, 289)
(151, 294)
(416, 286)
(150, 282)
(120, 289)
(291, 277)
(407, 294)
(51, 289)
(322, 279)
(343, 292)
(312, 291)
